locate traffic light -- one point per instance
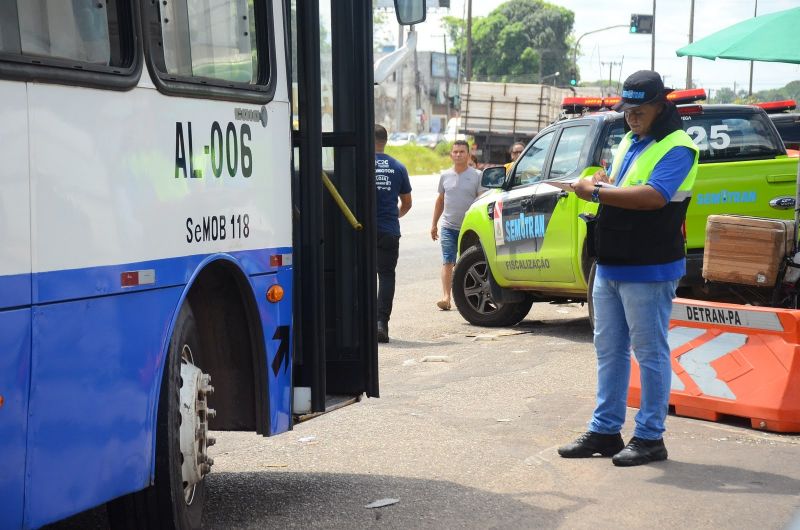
(642, 24)
(573, 78)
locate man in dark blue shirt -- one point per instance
(391, 185)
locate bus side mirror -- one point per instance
(410, 12)
(493, 177)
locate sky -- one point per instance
(633, 51)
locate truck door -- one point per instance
(524, 215)
(560, 245)
(15, 285)
(335, 281)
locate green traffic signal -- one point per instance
(633, 29)
(573, 82)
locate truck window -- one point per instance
(614, 134)
(531, 166)
(725, 138)
(568, 151)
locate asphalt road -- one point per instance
(471, 442)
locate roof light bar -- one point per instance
(778, 106)
(689, 95)
(578, 104)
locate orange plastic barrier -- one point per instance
(733, 360)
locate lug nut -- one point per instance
(210, 461)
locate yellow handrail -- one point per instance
(340, 202)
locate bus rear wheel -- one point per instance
(176, 500)
(473, 297)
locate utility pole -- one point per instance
(399, 117)
(469, 40)
(691, 40)
(417, 83)
(446, 82)
(653, 40)
(611, 64)
(750, 90)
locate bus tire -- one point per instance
(473, 298)
(164, 505)
(589, 289)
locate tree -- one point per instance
(520, 41)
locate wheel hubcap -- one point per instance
(476, 289)
(195, 387)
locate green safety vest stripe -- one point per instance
(641, 168)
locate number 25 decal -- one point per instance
(720, 139)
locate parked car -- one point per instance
(523, 241)
(402, 138)
(430, 140)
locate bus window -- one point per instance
(199, 42)
(77, 30)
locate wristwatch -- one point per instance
(596, 193)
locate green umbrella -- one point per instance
(774, 37)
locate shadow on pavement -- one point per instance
(721, 479)
(330, 500)
(400, 344)
(335, 500)
(574, 329)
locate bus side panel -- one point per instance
(277, 327)
(15, 347)
(15, 230)
(95, 375)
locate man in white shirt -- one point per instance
(459, 186)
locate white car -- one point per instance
(402, 138)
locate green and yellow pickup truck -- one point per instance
(523, 241)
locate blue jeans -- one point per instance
(632, 315)
(449, 240)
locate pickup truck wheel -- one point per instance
(175, 501)
(473, 297)
(589, 300)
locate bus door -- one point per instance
(335, 339)
(15, 287)
(335, 342)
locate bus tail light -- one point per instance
(275, 294)
(279, 260)
(136, 278)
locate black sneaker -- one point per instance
(591, 443)
(640, 451)
(383, 331)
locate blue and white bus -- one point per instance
(170, 261)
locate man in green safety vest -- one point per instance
(638, 243)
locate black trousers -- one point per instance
(388, 247)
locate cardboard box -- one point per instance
(746, 250)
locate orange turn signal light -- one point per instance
(275, 294)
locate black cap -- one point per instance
(644, 86)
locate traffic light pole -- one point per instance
(578, 42)
(653, 40)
